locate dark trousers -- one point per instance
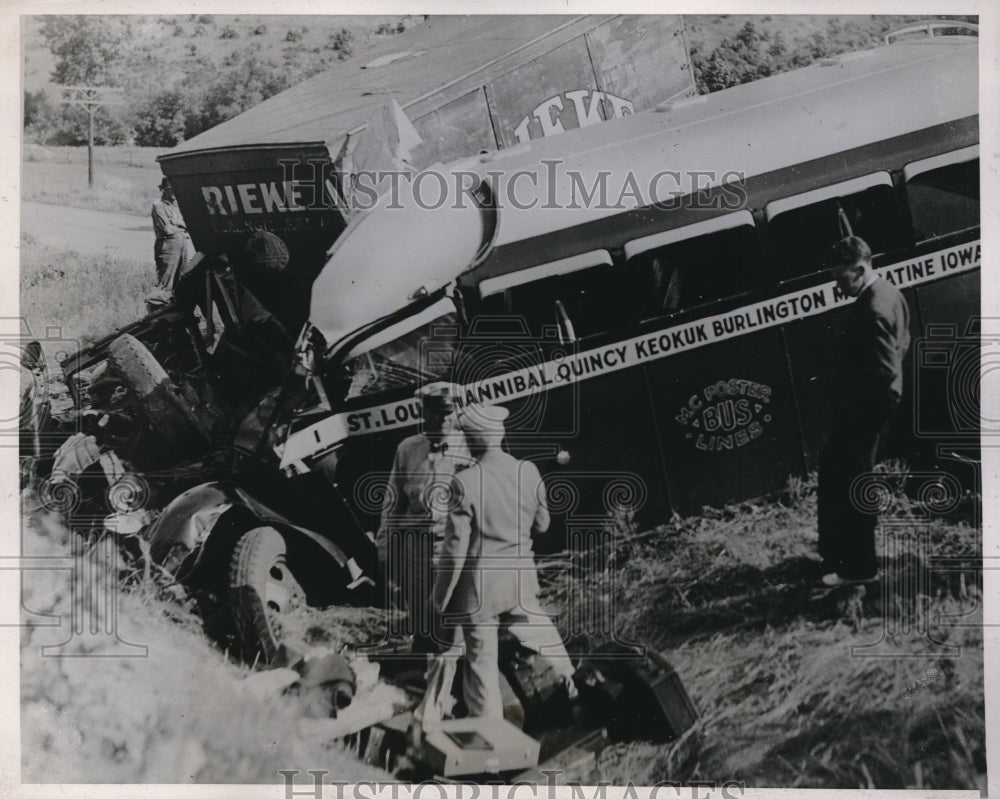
(846, 527)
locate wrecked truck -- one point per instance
(199, 406)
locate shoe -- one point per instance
(833, 579)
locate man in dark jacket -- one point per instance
(866, 391)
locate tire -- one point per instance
(163, 406)
(263, 591)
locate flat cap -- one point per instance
(480, 418)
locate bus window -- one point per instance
(943, 193)
(804, 227)
(405, 355)
(694, 265)
(573, 298)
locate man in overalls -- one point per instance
(173, 249)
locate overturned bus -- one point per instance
(650, 301)
(645, 295)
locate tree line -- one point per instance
(755, 53)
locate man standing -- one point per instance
(867, 388)
(415, 509)
(173, 249)
(486, 574)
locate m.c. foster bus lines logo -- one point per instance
(554, 116)
(726, 414)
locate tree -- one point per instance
(88, 49)
(744, 58)
(342, 43)
(42, 119)
(89, 61)
(160, 119)
(239, 88)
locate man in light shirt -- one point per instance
(486, 577)
(173, 249)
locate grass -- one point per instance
(86, 296)
(729, 598)
(121, 188)
(123, 155)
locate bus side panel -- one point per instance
(946, 361)
(604, 428)
(812, 345)
(727, 420)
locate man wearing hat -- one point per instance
(173, 249)
(416, 505)
(867, 387)
(486, 574)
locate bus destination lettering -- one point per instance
(725, 419)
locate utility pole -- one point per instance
(91, 98)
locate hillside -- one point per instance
(175, 43)
(180, 75)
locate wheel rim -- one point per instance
(113, 396)
(282, 593)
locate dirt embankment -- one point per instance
(138, 694)
(795, 685)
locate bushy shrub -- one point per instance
(753, 53)
(387, 28)
(341, 42)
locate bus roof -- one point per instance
(835, 105)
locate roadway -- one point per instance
(119, 235)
